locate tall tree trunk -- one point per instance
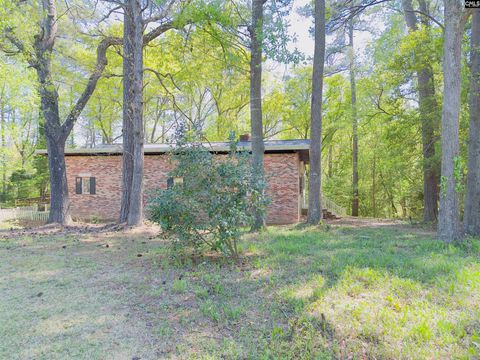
(54, 132)
(131, 209)
(428, 109)
(314, 189)
(472, 198)
(59, 199)
(133, 133)
(128, 116)
(353, 89)
(258, 147)
(135, 215)
(449, 221)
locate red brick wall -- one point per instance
(282, 171)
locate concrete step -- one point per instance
(327, 214)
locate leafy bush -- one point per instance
(211, 200)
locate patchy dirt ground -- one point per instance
(361, 222)
(16, 229)
(365, 222)
(354, 288)
(96, 292)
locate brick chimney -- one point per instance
(245, 137)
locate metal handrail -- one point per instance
(327, 204)
(333, 207)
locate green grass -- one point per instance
(390, 292)
(179, 286)
(387, 293)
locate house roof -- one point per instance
(220, 147)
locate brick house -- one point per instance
(94, 177)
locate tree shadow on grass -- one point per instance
(372, 272)
(225, 309)
(398, 251)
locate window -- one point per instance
(85, 185)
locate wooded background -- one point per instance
(79, 72)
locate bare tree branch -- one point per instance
(349, 10)
(92, 82)
(430, 17)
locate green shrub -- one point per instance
(210, 201)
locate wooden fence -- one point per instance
(23, 213)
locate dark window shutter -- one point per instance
(93, 189)
(78, 185)
(169, 182)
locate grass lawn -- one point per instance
(385, 292)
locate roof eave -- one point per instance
(303, 145)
